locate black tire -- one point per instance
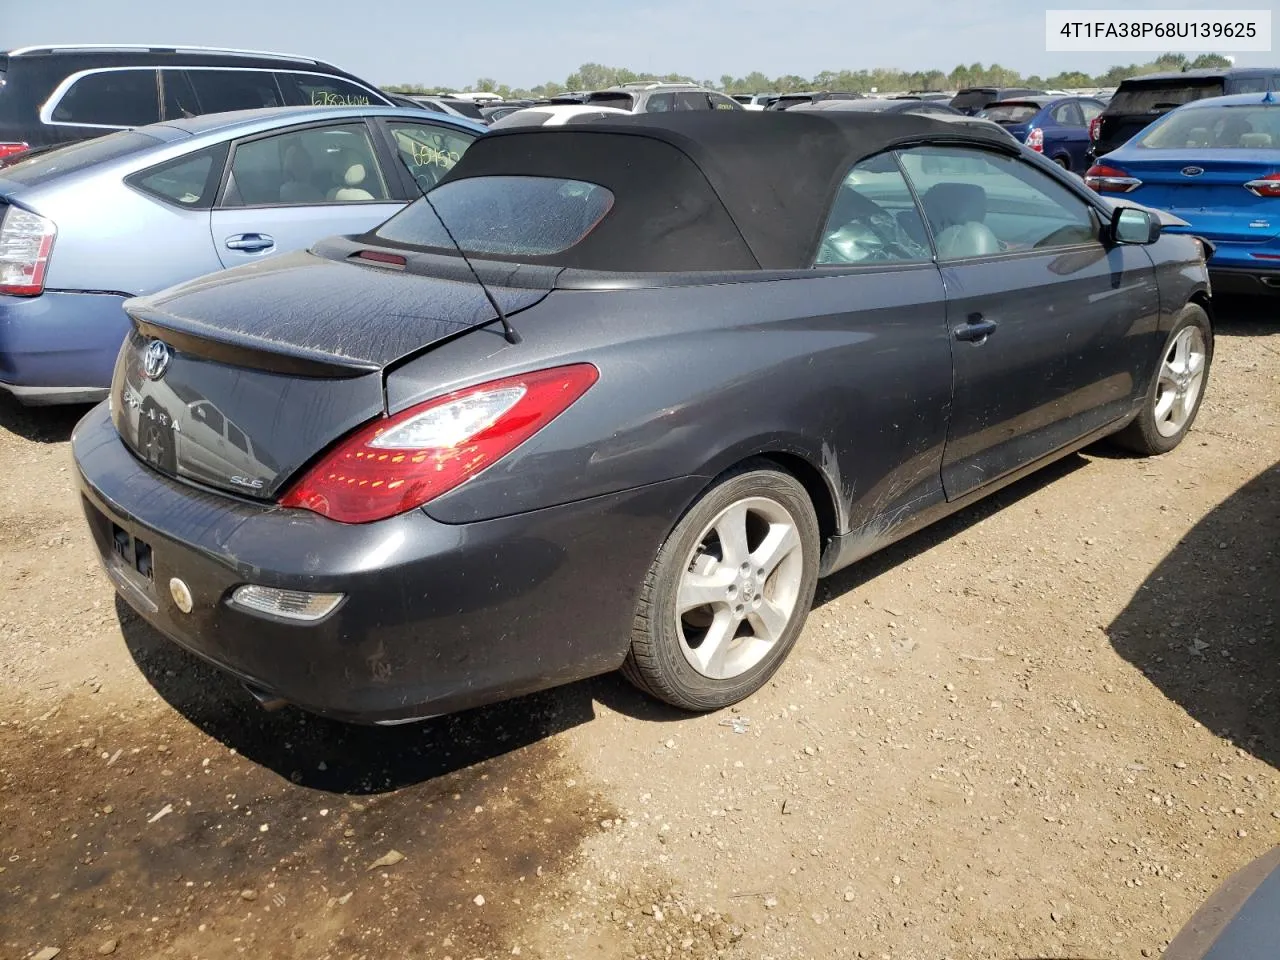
(1142, 436)
(1063, 161)
(656, 662)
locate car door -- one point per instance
(426, 151)
(890, 359)
(1053, 330)
(287, 189)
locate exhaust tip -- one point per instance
(268, 701)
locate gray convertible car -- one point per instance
(687, 365)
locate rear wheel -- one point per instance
(1063, 161)
(728, 593)
(1177, 389)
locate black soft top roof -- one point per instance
(708, 190)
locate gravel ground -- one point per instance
(1045, 728)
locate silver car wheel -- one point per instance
(739, 588)
(1180, 382)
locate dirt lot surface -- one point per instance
(1045, 728)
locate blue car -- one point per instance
(87, 226)
(1215, 163)
(1058, 127)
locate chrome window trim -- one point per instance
(60, 91)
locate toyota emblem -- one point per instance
(155, 361)
(1192, 171)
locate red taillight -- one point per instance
(397, 463)
(26, 240)
(1095, 128)
(8, 150)
(1035, 140)
(1106, 179)
(1268, 186)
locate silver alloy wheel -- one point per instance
(1181, 380)
(739, 588)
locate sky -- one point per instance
(525, 42)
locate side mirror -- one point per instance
(1131, 225)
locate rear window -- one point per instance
(56, 163)
(1218, 128)
(968, 99)
(505, 216)
(623, 101)
(1160, 97)
(1010, 112)
(523, 118)
(223, 90)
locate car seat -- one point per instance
(352, 174)
(956, 212)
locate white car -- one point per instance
(556, 115)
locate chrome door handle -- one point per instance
(250, 242)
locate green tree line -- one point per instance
(595, 76)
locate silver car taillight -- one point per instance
(26, 240)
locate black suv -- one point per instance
(1140, 100)
(52, 95)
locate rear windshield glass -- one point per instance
(505, 216)
(522, 118)
(1219, 128)
(1010, 112)
(48, 165)
(1161, 97)
(621, 100)
(968, 99)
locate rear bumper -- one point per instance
(60, 347)
(437, 617)
(1244, 281)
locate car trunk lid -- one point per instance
(237, 380)
(1208, 191)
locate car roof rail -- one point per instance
(157, 48)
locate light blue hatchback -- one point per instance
(87, 226)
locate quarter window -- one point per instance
(320, 165)
(187, 182)
(874, 218)
(112, 98)
(979, 203)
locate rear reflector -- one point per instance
(1266, 256)
(1268, 186)
(394, 464)
(1106, 179)
(290, 604)
(26, 241)
(377, 256)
